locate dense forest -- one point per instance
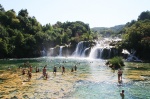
(23, 36)
(136, 36)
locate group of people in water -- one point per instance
(44, 70)
(45, 74)
(29, 73)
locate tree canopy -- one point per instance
(23, 36)
(137, 35)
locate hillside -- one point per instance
(108, 31)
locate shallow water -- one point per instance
(102, 83)
(97, 80)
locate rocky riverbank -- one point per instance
(14, 85)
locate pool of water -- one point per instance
(101, 81)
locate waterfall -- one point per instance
(109, 55)
(43, 52)
(93, 49)
(51, 52)
(101, 50)
(94, 52)
(79, 49)
(60, 50)
(84, 52)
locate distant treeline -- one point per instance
(23, 36)
(109, 32)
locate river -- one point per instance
(92, 80)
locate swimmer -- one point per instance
(122, 94)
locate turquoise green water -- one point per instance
(101, 81)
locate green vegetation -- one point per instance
(115, 62)
(23, 36)
(109, 32)
(137, 36)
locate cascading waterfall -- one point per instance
(100, 50)
(79, 49)
(60, 50)
(94, 52)
(83, 54)
(43, 52)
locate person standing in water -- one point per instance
(30, 68)
(120, 75)
(44, 71)
(75, 68)
(63, 70)
(29, 75)
(72, 69)
(122, 94)
(54, 70)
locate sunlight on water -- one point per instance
(97, 81)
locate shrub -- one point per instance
(116, 62)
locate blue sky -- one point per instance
(97, 13)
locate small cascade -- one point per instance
(102, 50)
(60, 50)
(94, 52)
(79, 49)
(51, 52)
(84, 52)
(109, 54)
(43, 52)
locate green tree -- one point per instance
(3, 32)
(144, 15)
(3, 48)
(23, 13)
(1, 8)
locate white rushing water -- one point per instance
(60, 50)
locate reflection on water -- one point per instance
(97, 80)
